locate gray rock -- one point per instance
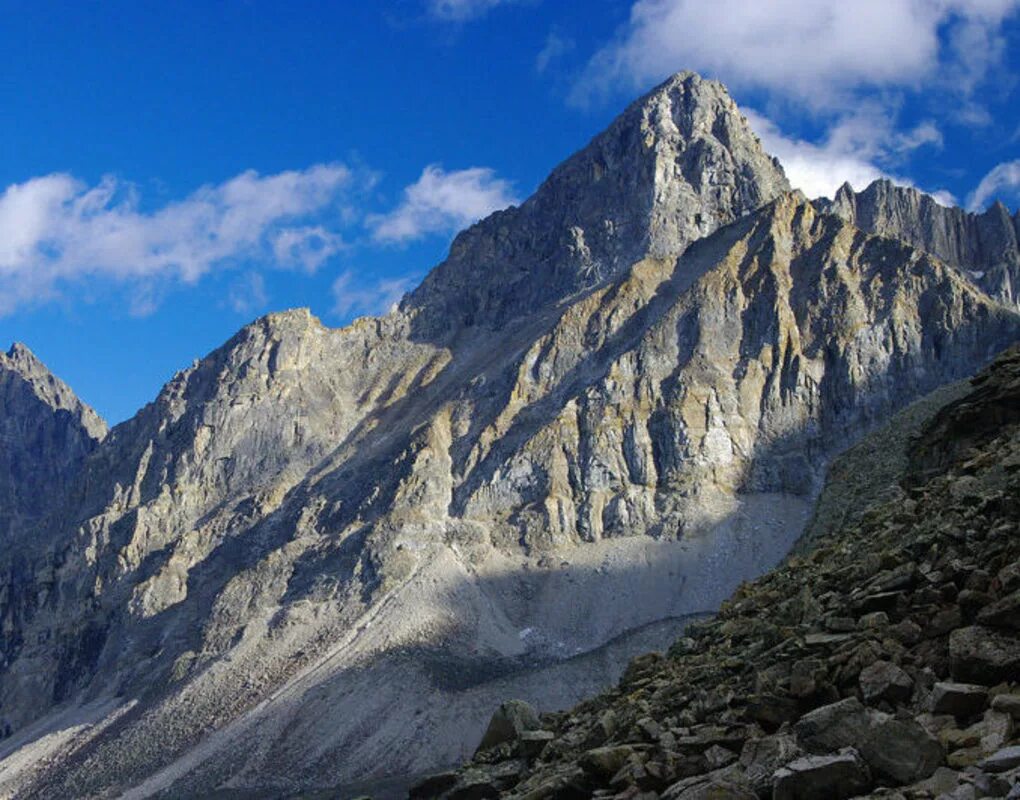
(901, 750)
(512, 719)
(1003, 760)
(1008, 704)
(46, 433)
(959, 699)
(883, 680)
(983, 655)
(606, 761)
(831, 776)
(831, 727)
(760, 758)
(1003, 613)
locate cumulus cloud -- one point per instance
(857, 149)
(353, 296)
(1001, 181)
(460, 10)
(56, 229)
(441, 201)
(813, 51)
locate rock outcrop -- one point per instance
(884, 657)
(985, 246)
(323, 556)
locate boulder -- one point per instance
(883, 680)
(1003, 613)
(511, 719)
(532, 743)
(901, 750)
(962, 700)
(760, 758)
(605, 762)
(1005, 759)
(832, 776)
(831, 727)
(1007, 704)
(983, 655)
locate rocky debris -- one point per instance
(878, 708)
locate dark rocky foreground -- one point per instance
(885, 662)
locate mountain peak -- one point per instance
(19, 353)
(677, 164)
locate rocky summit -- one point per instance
(882, 662)
(321, 558)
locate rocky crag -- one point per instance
(45, 435)
(983, 245)
(323, 556)
(884, 662)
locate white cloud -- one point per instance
(812, 51)
(55, 229)
(857, 150)
(460, 10)
(353, 296)
(247, 293)
(555, 48)
(1001, 181)
(306, 247)
(442, 201)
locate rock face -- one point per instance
(983, 245)
(676, 165)
(45, 433)
(323, 556)
(955, 528)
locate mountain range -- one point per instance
(322, 557)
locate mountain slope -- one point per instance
(46, 434)
(323, 556)
(889, 650)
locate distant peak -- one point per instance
(20, 352)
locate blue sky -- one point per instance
(169, 172)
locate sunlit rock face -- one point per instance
(326, 555)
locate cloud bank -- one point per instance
(56, 229)
(815, 52)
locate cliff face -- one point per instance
(45, 432)
(325, 555)
(983, 245)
